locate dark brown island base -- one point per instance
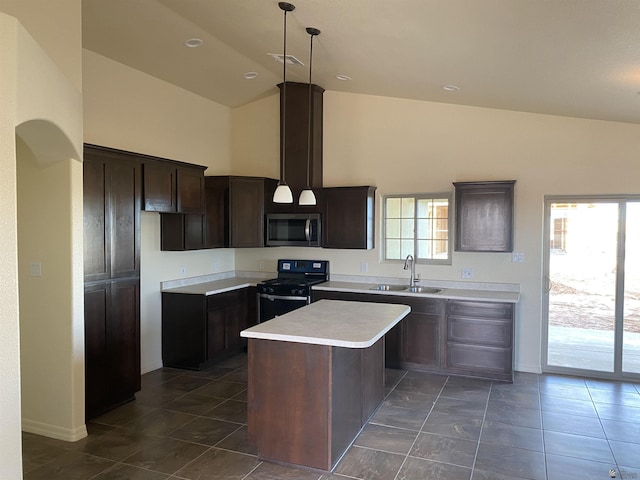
(315, 376)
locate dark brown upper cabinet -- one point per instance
(348, 215)
(297, 134)
(235, 210)
(172, 187)
(484, 216)
(111, 214)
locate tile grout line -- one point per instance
(421, 427)
(615, 460)
(484, 416)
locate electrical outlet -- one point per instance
(517, 257)
(467, 272)
(364, 267)
(216, 266)
(261, 265)
(35, 269)
(183, 270)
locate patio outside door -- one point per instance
(592, 256)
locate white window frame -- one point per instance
(419, 196)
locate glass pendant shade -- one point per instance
(283, 194)
(307, 197)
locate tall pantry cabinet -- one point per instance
(112, 196)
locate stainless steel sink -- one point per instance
(404, 288)
(423, 290)
(389, 288)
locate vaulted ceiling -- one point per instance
(578, 58)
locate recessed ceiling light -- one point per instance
(250, 75)
(193, 42)
(344, 78)
(451, 88)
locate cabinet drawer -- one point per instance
(495, 310)
(479, 359)
(480, 331)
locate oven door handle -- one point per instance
(282, 297)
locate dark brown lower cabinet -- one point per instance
(200, 330)
(446, 336)
(416, 341)
(112, 344)
(480, 339)
(306, 402)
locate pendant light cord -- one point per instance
(284, 102)
(309, 133)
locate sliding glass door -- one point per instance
(592, 260)
(631, 304)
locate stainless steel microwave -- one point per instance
(293, 229)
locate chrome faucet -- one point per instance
(410, 263)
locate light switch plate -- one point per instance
(517, 257)
(467, 272)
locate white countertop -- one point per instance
(332, 322)
(447, 293)
(216, 286)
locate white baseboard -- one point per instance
(54, 431)
(528, 368)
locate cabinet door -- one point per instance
(159, 187)
(348, 217)
(96, 307)
(246, 212)
(421, 339)
(124, 198)
(216, 212)
(216, 319)
(97, 241)
(190, 190)
(123, 340)
(184, 330)
(111, 193)
(484, 216)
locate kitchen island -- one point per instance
(315, 376)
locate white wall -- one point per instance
(405, 146)
(129, 110)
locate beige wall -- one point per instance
(41, 106)
(126, 109)
(57, 26)
(405, 146)
(10, 444)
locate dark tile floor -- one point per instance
(191, 425)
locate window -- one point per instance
(417, 225)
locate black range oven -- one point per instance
(292, 288)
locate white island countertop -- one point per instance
(332, 322)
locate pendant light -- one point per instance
(283, 192)
(307, 197)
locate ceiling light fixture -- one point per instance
(250, 75)
(283, 192)
(344, 78)
(193, 43)
(451, 88)
(307, 197)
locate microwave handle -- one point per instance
(307, 229)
